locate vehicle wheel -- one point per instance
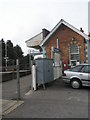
(76, 84)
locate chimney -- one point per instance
(45, 33)
(81, 30)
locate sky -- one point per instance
(22, 19)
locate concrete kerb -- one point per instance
(10, 105)
(29, 92)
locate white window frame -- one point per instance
(74, 54)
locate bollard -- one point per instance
(34, 77)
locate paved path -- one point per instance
(9, 88)
(9, 91)
(58, 100)
(9, 105)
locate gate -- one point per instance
(56, 55)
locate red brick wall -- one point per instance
(65, 36)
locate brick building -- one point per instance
(71, 42)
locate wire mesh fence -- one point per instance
(10, 80)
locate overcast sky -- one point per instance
(22, 19)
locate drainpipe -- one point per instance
(88, 51)
(84, 50)
(57, 43)
(52, 50)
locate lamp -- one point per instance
(73, 38)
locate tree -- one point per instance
(19, 53)
(24, 62)
(3, 47)
(10, 50)
(13, 53)
(9, 43)
(2, 42)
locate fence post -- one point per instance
(18, 79)
(30, 65)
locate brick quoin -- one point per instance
(65, 36)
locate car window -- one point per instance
(77, 68)
(86, 69)
(89, 69)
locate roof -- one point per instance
(68, 25)
(35, 41)
(33, 37)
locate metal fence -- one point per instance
(15, 80)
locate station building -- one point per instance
(64, 43)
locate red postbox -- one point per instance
(65, 66)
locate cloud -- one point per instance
(22, 19)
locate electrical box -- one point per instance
(44, 71)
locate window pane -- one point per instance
(74, 53)
(86, 69)
(74, 49)
(74, 56)
(89, 69)
(76, 69)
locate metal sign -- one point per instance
(56, 50)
